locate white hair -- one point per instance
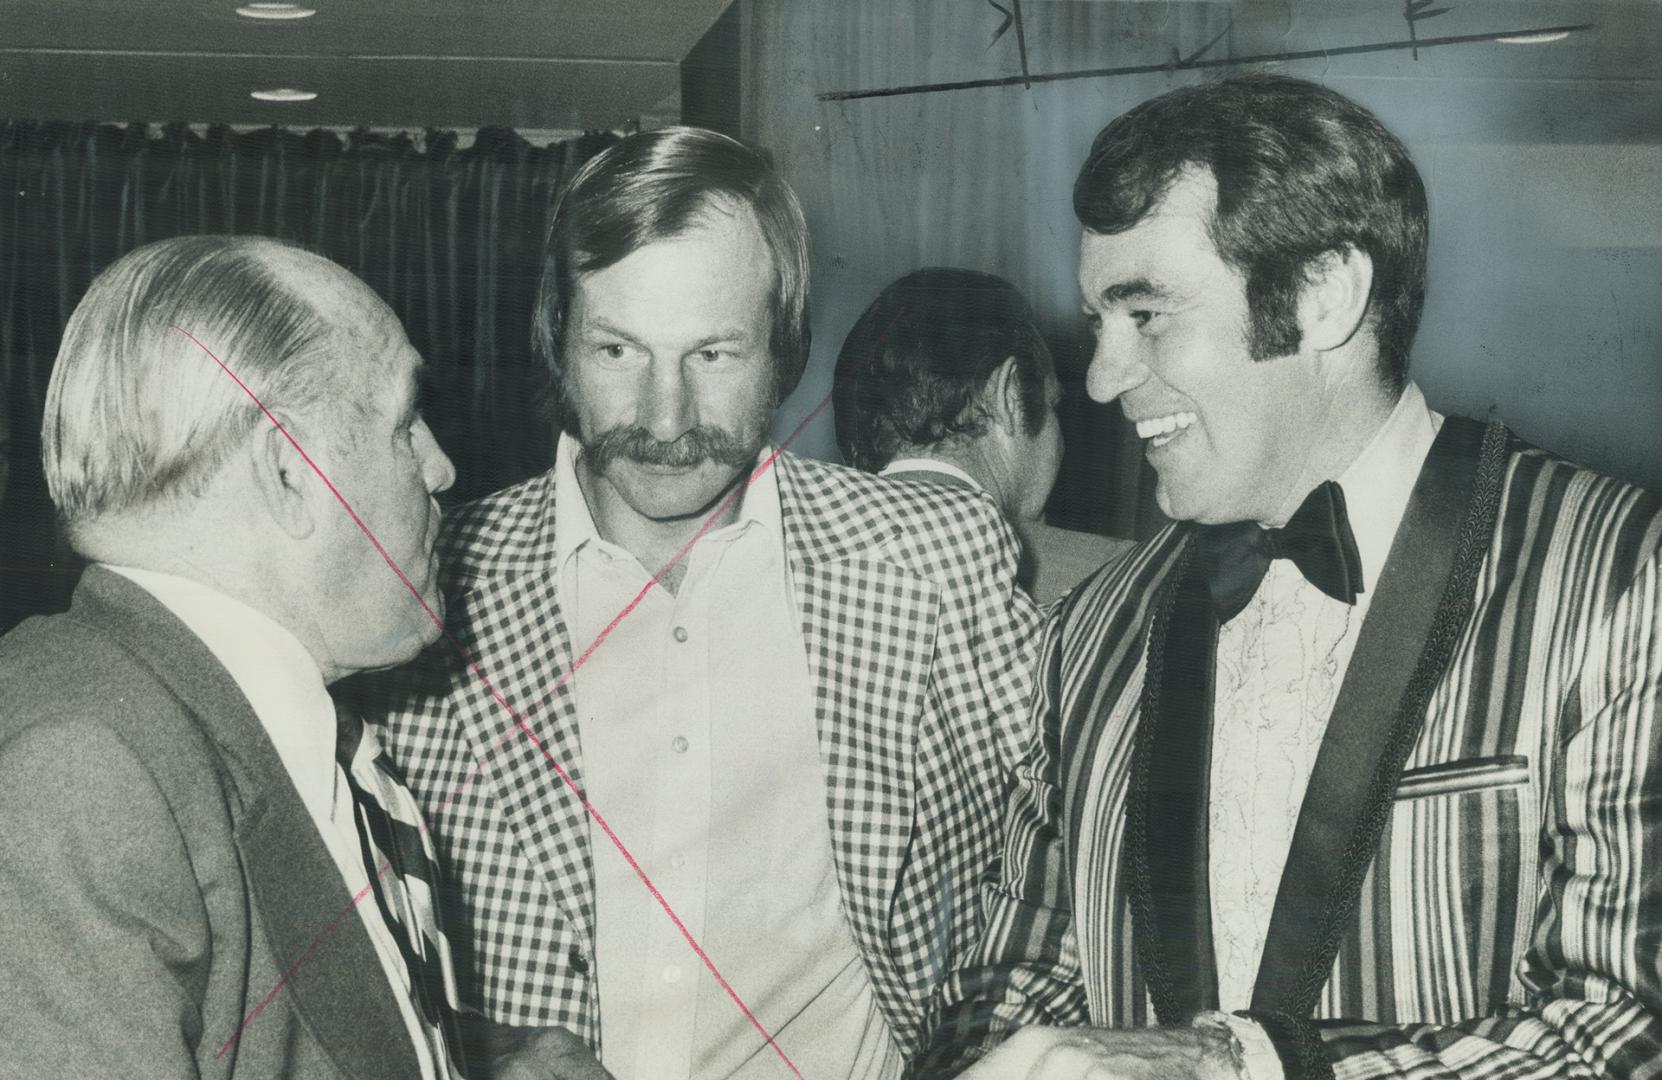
(138, 413)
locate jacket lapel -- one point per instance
(331, 969)
(520, 713)
(1422, 603)
(333, 979)
(1166, 839)
(869, 629)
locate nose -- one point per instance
(667, 408)
(437, 470)
(1115, 367)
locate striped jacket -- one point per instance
(1474, 888)
(921, 651)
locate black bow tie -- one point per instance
(1317, 539)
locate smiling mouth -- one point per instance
(1160, 430)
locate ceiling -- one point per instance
(551, 65)
(559, 66)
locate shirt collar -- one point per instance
(1379, 482)
(574, 526)
(280, 679)
(920, 464)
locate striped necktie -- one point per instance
(404, 875)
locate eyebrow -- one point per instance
(594, 326)
(1134, 289)
(734, 334)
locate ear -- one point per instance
(1001, 397)
(1334, 299)
(283, 479)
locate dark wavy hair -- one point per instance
(652, 186)
(911, 370)
(1301, 171)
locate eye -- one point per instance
(709, 355)
(1146, 320)
(612, 351)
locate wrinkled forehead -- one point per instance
(718, 267)
(1170, 241)
(379, 362)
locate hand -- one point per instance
(544, 1054)
(1041, 1053)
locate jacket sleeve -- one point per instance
(1026, 968)
(972, 729)
(106, 934)
(1593, 971)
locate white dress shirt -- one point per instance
(285, 688)
(699, 745)
(900, 466)
(1280, 665)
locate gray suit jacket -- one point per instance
(167, 907)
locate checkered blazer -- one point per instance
(1493, 907)
(921, 651)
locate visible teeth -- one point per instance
(1157, 426)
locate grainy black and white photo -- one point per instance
(831, 540)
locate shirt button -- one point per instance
(680, 633)
(679, 744)
(672, 974)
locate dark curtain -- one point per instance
(449, 237)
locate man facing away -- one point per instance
(1352, 771)
(183, 845)
(790, 690)
(945, 379)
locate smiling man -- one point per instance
(1351, 771)
(791, 690)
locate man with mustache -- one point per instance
(791, 690)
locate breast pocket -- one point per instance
(1458, 777)
(1461, 859)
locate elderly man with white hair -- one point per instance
(209, 870)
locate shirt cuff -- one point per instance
(1259, 1061)
(1250, 1047)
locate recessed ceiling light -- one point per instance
(275, 11)
(282, 94)
(1535, 39)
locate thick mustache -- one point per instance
(694, 446)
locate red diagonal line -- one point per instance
(606, 631)
(283, 981)
(519, 722)
(521, 725)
